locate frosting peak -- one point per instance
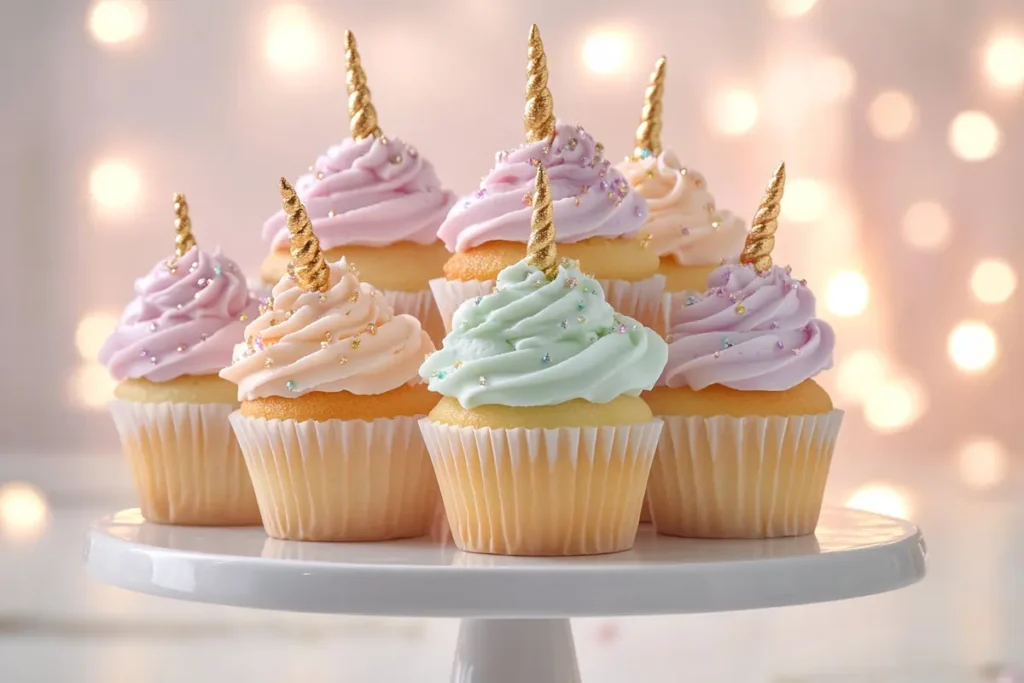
(590, 198)
(684, 222)
(344, 339)
(749, 332)
(184, 320)
(537, 342)
(371, 192)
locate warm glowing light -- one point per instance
(927, 226)
(116, 22)
(892, 115)
(894, 405)
(115, 186)
(1004, 62)
(993, 281)
(732, 112)
(606, 52)
(847, 293)
(974, 136)
(807, 199)
(983, 463)
(791, 8)
(24, 512)
(833, 79)
(91, 386)
(293, 43)
(92, 331)
(881, 499)
(860, 374)
(972, 346)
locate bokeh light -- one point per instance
(895, 405)
(993, 281)
(833, 78)
(847, 293)
(983, 463)
(860, 374)
(93, 329)
(24, 512)
(91, 386)
(791, 8)
(927, 226)
(117, 22)
(732, 111)
(972, 346)
(807, 199)
(115, 186)
(974, 136)
(892, 115)
(293, 43)
(607, 51)
(882, 499)
(1004, 62)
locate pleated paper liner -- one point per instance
(340, 480)
(186, 464)
(641, 300)
(421, 306)
(741, 477)
(542, 492)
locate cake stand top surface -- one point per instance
(852, 554)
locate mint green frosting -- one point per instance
(540, 342)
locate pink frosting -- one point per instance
(748, 332)
(590, 197)
(371, 192)
(185, 320)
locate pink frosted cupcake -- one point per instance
(171, 408)
(598, 214)
(376, 201)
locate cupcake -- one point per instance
(689, 234)
(541, 442)
(599, 216)
(171, 409)
(378, 202)
(327, 377)
(749, 434)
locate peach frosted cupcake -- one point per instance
(171, 409)
(330, 394)
(749, 434)
(375, 200)
(542, 444)
(599, 216)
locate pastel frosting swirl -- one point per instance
(535, 342)
(184, 320)
(590, 198)
(684, 222)
(346, 339)
(371, 192)
(749, 332)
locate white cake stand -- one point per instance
(515, 611)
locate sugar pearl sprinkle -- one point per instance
(291, 385)
(545, 359)
(483, 381)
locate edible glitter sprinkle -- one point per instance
(740, 308)
(622, 329)
(527, 200)
(483, 381)
(546, 358)
(242, 318)
(269, 362)
(718, 354)
(481, 193)
(353, 297)
(796, 352)
(645, 238)
(356, 343)
(441, 374)
(182, 348)
(457, 364)
(576, 200)
(259, 342)
(726, 344)
(780, 344)
(775, 325)
(397, 159)
(413, 152)
(319, 176)
(535, 162)
(691, 300)
(580, 305)
(330, 213)
(581, 320)
(203, 337)
(371, 328)
(564, 324)
(143, 353)
(217, 270)
(342, 360)
(324, 345)
(585, 189)
(328, 336)
(571, 282)
(152, 327)
(478, 300)
(290, 384)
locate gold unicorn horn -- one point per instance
(761, 238)
(362, 117)
(539, 117)
(183, 240)
(648, 133)
(540, 250)
(308, 262)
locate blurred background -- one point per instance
(901, 125)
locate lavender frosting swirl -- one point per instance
(185, 320)
(748, 332)
(371, 192)
(590, 197)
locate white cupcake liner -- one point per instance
(421, 306)
(340, 480)
(559, 492)
(640, 300)
(185, 463)
(741, 477)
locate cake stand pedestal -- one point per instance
(515, 611)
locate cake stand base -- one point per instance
(515, 651)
